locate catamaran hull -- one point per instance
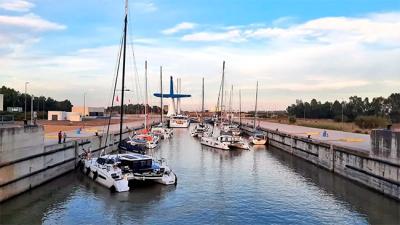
(104, 178)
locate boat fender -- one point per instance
(95, 174)
(87, 171)
(80, 165)
(113, 189)
(176, 180)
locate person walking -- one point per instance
(64, 137)
(59, 137)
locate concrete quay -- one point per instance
(28, 159)
(375, 164)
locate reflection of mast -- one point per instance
(123, 72)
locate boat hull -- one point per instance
(213, 143)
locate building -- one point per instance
(14, 109)
(1, 102)
(61, 115)
(89, 111)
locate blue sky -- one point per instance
(297, 49)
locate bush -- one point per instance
(370, 122)
(338, 118)
(292, 119)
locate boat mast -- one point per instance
(145, 95)
(255, 109)
(230, 105)
(240, 107)
(202, 102)
(222, 88)
(162, 95)
(123, 72)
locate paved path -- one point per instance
(52, 138)
(346, 139)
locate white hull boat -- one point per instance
(105, 171)
(214, 142)
(179, 121)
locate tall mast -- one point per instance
(162, 95)
(240, 107)
(202, 102)
(230, 105)
(123, 72)
(255, 109)
(146, 96)
(222, 87)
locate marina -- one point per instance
(263, 185)
(241, 152)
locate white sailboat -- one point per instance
(258, 137)
(201, 129)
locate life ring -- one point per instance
(95, 174)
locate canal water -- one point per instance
(260, 186)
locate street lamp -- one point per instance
(26, 84)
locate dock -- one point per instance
(373, 161)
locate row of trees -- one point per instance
(351, 109)
(135, 109)
(13, 98)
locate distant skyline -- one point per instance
(296, 49)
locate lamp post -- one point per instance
(26, 84)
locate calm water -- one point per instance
(261, 186)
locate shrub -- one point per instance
(338, 118)
(370, 122)
(292, 119)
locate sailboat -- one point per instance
(161, 130)
(149, 139)
(116, 171)
(258, 138)
(201, 129)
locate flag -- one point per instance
(117, 99)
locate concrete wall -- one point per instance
(25, 162)
(379, 172)
(1, 102)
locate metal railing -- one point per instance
(6, 119)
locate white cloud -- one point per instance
(30, 21)
(231, 35)
(16, 5)
(179, 27)
(381, 28)
(144, 6)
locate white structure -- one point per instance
(89, 111)
(61, 115)
(14, 109)
(1, 102)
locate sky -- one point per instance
(295, 49)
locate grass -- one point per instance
(324, 124)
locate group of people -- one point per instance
(62, 137)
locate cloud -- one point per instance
(231, 35)
(30, 21)
(381, 28)
(16, 5)
(319, 84)
(144, 6)
(179, 27)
